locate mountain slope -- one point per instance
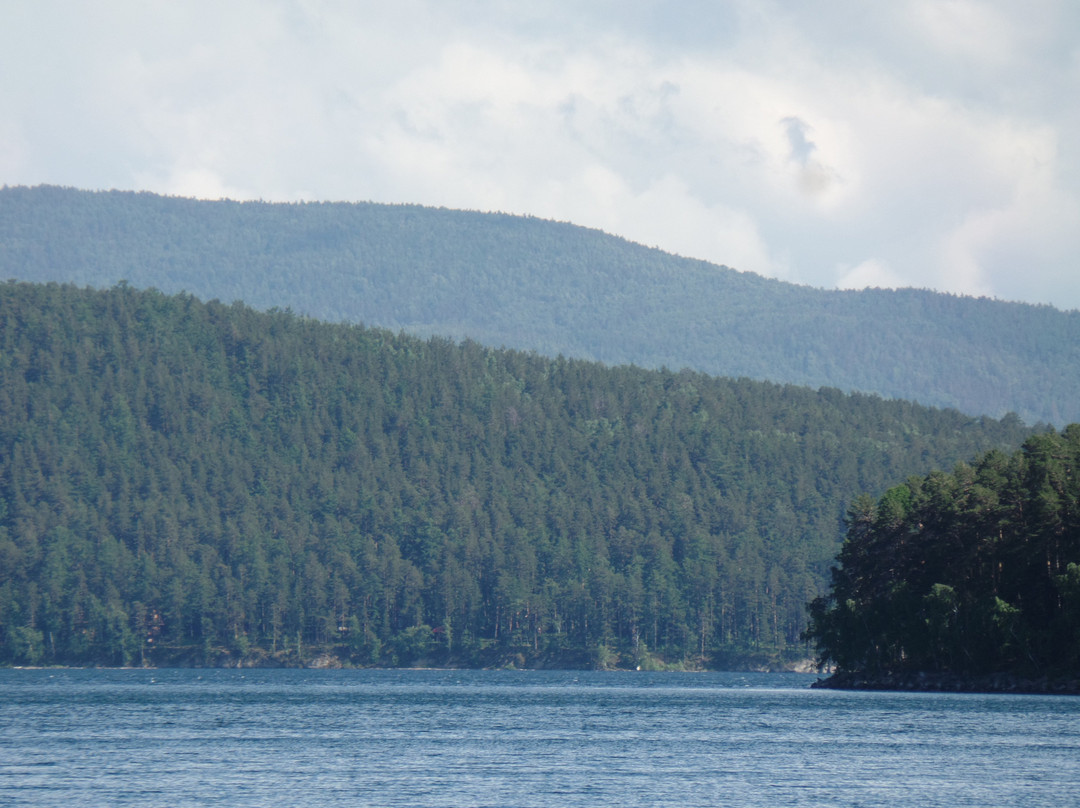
(554, 288)
(185, 482)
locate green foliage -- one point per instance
(973, 572)
(553, 288)
(27, 645)
(184, 482)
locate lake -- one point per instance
(520, 738)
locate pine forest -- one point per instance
(190, 483)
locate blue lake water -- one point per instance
(508, 738)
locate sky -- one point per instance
(831, 143)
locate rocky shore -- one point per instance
(952, 683)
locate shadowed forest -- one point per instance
(972, 573)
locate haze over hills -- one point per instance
(553, 288)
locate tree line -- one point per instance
(199, 483)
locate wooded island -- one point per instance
(960, 581)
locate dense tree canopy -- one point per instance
(974, 572)
(553, 288)
(190, 482)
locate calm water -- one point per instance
(501, 738)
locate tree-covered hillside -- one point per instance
(974, 574)
(553, 288)
(182, 482)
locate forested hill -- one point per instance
(190, 482)
(553, 288)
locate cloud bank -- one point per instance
(927, 143)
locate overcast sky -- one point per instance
(841, 143)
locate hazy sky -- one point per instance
(928, 143)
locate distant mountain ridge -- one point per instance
(554, 288)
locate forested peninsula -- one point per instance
(554, 288)
(190, 483)
(968, 580)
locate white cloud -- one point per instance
(870, 274)
(1023, 249)
(966, 29)
(201, 183)
(690, 226)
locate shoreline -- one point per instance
(329, 657)
(925, 682)
(672, 669)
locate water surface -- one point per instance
(507, 738)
